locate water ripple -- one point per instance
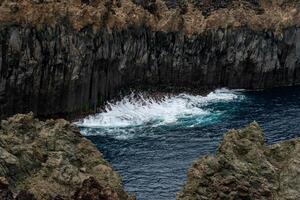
(153, 155)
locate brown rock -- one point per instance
(49, 160)
(92, 190)
(244, 167)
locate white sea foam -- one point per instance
(136, 110)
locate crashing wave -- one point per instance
(136, 109)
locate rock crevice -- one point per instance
(56, 71)
(61, 58)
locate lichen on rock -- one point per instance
(51, 160)
(244, 167)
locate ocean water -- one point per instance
(153, 143)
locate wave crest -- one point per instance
(137, 110)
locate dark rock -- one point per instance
(244, 167)
(56, 71)
(183, 7)
(85, 1)
(59, 197)
(92, 190)
(208, 6)
(149, 5)
(5, 193)
(25, 195)
(69, 62)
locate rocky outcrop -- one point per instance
(53, 71)
(244, 167)
(51, 160)
(69, 57)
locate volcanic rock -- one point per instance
(244, 167)
(68, 57)
(51, 160)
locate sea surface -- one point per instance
(152, 143)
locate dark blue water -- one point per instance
(153, 160)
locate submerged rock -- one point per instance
(51, 160)
(244, 167)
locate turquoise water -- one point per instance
(152, 144)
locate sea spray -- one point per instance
(141, 110)
(153, 159)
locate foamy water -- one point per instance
(153, 152)
(136, 110)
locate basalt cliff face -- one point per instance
(52, 161)
(69, 57)
(244, 167)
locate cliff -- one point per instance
(51, 160)
(244, 167)
(69, 57)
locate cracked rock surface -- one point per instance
(245, 167)
(67, 58)
(51, 160)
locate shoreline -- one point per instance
(153, 92)
(236, 137)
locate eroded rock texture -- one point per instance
(244, 167)
(51, 160)
(58, 71)
(69, 57)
